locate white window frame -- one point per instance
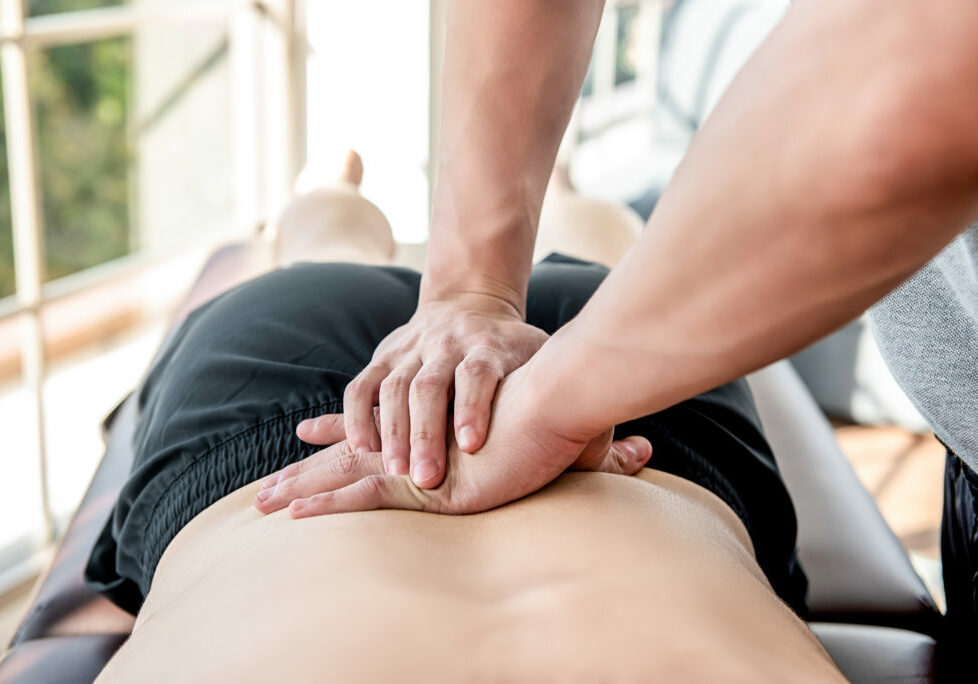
(269, 142)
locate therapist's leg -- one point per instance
(959, 556)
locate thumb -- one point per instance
(622, 457)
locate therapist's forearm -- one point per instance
(842, 157)
(513, 69)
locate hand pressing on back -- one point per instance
(519, 457)
(452, 351)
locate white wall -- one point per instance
(368, 90)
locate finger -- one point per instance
(325, 429)
(623, 457)
(370, 493)
(293, 469)
(342, 468)
(395, 418)
(328, 434)
(358, 403)
(299, 468)
(476, 379)
(428, 405)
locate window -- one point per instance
(80, 96)
(133, 137)
(612, 128)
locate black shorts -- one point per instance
(219, 406)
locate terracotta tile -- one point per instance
(903, 471)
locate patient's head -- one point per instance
(584, 227)
(333, 222)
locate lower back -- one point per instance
(596, 577)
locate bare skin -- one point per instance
(512, 72)
(841, 159)
(598, 577)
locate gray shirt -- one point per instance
(927, 330)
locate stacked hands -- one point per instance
(395, 422)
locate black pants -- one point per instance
(219, 407)
(959, 559)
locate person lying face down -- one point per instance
(685, 571)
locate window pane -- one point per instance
(80, 95)
(182, 131)
(38, 7)
(626, 45)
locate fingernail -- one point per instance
(264, 494)
(397, 466)
(638, 449)
(297, 505)
(423, 471)
(466, 437)
(270, 482)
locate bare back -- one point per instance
(595, 578)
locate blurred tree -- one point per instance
(80, 96)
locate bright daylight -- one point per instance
(488, 340)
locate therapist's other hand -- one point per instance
(461, 347)
(518, 458)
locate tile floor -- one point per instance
(903, 471)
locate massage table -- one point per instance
(868, 606)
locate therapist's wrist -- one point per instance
(479, 248)
(562, 374)
(473, 291)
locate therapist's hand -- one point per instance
(518, 458)
(462, 346)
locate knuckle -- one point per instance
(479, 366)
(427, 383)
(486, 341)
(422, 437)
(447, 343)
(373, 485)
(394, 385)
(469, 405)
(353, 390)
(320, 501)
(284, 491)
(346, 463)
(393, 429)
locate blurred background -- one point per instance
(137, 136)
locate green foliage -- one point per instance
(80, 97)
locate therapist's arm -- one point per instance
(512, 71)
(841, 159)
